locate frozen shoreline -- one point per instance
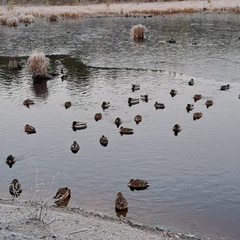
(122, 8)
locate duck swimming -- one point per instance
(118, 121)
(225, 87)
(176, 129)
(209, 103)
(124, 130)
(29, 129)
(144, 98)
(158, 105)
(120, 202)
(10, 160)
(197, 97)
(15, 188)
(138, 184)
(67, 104)
(191, 82)
(28, 102)
(62, 197)
(189, 107)
(105, 105)
(197, 115)
(78, 125)
(173, 92)
(98, 116)
(133, 101)
(75, 147)
(103, 141)
(135, 87)
(138, 119)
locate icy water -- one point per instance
(194, 177)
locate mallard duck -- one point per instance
(132, 101)
(29, 129)
(209, 103)
(138, 184)
(63, 196)
(67, 104)
(135, 87)
(15, 188)
(191, 82)
(176, 129)
(118, 121)
(78, 125)
(120, 202)
(103, 141)
(189, 107)
(105, 105)
(124, 130)
(28, 102)
(197, 115)
(138, 119)
(197, 97)
(75, 147)
(158, 105)
(225, 87)
(10, 160)
(173, 92)
(98, 116)
(144, 98)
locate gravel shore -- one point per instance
(21, 220)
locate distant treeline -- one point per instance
(74, 2)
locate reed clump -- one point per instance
(38, 64)
(12, 22)
(28, 19)
(3, 20)
(137, 32)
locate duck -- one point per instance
(197, 97)
(29, 129)
(62, 197)
(75, 147)
(173, 92)
(158, 105)
(133, 101)
(138, 184)
(15, 188)
(103, 141)
(67, 104)
(105, 105)
(78, 125)
(225, 87)
(118, 121)
(10, 160)
(28, 102)
(64, 73)
(197, 115)
(209, 103)
(176, 129)
(144, 98)
(191, 82)
(138, 119)
(98, 116)
(135, 87)
(120, 202)
(189, 107)
(125, 130)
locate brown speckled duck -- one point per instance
(29, 129)
(197, 97)
(62, 197)
(138, 119)
(120, 202)
(125, 130)
(197, 115)
(67, 104)
(10, 160)
(98, 116)
(209, 103)
(103, 141)
(28, 102)
(138, 184)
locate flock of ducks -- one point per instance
(63, 195)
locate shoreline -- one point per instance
(35, 221)
(123, 9)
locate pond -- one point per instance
(194, 176)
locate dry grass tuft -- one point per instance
(3, 20)
(12, 22)
(53, 17)
(137, 32)
(38, 64)
(28, 19)
(167, 11)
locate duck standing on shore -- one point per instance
(120, 202)
(15, 188)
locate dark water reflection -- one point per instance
(194, 177)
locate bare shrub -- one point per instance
(137, 32)
(3, 20)
(28, 19)
(12, 22)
